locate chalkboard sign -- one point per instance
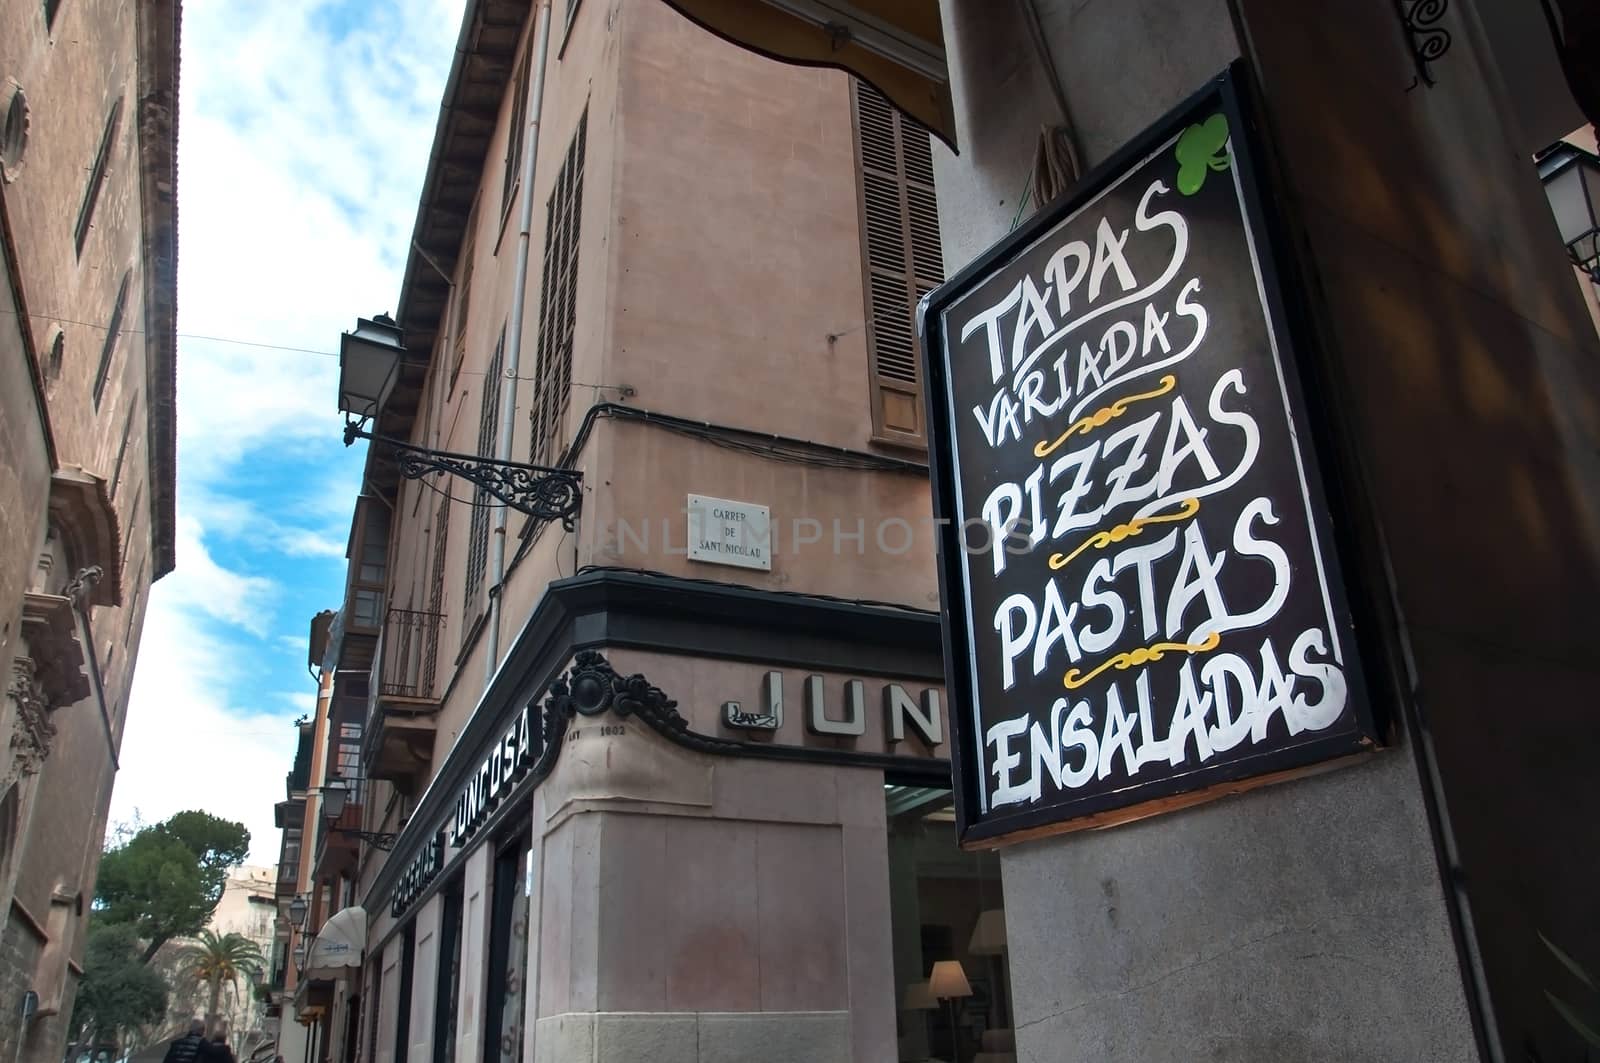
(1143, 601)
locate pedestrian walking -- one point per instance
(186, 1049)
(216, 1050)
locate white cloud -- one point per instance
(186, 746)
(200, 586)
(304, 132)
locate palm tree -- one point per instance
(215, 959)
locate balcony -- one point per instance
(401, 719)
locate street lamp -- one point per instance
(335, 794)
(1571, 178)
(369, 367)
(297, 911)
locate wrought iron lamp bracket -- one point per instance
(377, 839)
(542, 492)
(1425, 38)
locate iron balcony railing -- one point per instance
(408, 654)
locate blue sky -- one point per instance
(304, 129)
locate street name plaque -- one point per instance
(1144, 605)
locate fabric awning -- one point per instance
(339, 945)
(895, 45)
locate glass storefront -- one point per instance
(508, 952)
(952, 992)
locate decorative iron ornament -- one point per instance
(1427, 40)
(541, 492)
(377, 839)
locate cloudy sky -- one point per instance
(304, 130)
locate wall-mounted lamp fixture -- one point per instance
(335, 794)
(369, 365)
(1571, 178)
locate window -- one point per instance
(519, 120)
(478, 537)
(508, 955)
(572, 15)
(122, 448)
(948, 907)
(58, 353)
(97, 175)
(14, 121)
(113, 333)
(369, 554)
(447, 990)
(900, 259)
(441, 540)
(402, 1026)
(133, 607)
(463, 301)
(558, 304)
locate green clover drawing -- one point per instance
(1201, 148)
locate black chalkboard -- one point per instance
(1142, 595)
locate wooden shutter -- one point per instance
(478, 537)
(441, 539)
(558, 303)
(900, 258)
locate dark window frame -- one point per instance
(447, 984)
(108, 350)
(511, 180)
(122, 447)
(97, 176)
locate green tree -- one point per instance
(166, 880)
(118, 992)
(215, 959)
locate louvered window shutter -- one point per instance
(478, 536)
(558, 304)
(901, 260)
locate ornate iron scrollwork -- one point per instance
(1426, 39)
(541, 492)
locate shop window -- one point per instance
(508, 956)
(448, 992)
(900, 257)
(947, 918)
(402, 1021)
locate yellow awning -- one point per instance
(897, 46)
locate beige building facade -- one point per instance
(88, 94)
(703, 798)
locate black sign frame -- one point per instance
(1337, 529)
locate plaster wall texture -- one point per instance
(1434, 274)
(705, 1037)
(751, 888)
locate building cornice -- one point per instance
(159, 24)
